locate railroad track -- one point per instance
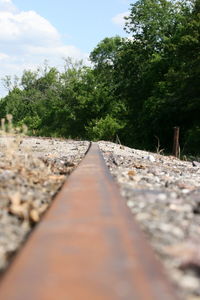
(87, 247)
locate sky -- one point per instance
(32, 31)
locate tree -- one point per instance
(138, 88)
(104, 53)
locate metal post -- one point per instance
(176, 148)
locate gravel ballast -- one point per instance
(163, 193)
(32, 170)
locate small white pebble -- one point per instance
(173, 195)
(162, 197)
(185, 191)
(190, 282)
(130, 203)
(165, 227)
(178, 232)
(142, 216)
(151, 158)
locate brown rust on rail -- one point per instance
(87, 247)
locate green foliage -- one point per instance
(104, 54)
(137, 88)
(104, 128)
(192, 140)
(64, 104)
(160, 71)
(32, 122)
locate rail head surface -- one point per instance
(87, 247)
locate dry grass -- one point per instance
(31, 171)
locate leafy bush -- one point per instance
(103, 129)
(192, 144)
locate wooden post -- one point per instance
(176, 148)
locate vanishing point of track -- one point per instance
(87, 247)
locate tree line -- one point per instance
(137, 88)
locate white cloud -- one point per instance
(27, 39)
(119, 18)
(26, 27)
(3, 56)
(60, 50)
(7, 5)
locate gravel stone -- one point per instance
(163, 193)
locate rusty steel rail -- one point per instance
(87, 247)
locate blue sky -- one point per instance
(82, 23)
(32, 31)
